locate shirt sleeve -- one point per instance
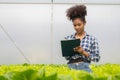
(67, 57)
(94, 54)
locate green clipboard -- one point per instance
(68, 45)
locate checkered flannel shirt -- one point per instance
(90, 45)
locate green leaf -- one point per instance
(65, 77)
(117, 77)
(19, 76)
(41, 73)
(10, 75)
(101, 78)
(82, 75)
(25, 75)
(52, 76)
(2, 78)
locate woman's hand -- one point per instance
(78, 49)
(81, 51)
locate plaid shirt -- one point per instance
(90, 45)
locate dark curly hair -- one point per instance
(77, 11)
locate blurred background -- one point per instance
(31, 30)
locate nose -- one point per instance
(76, 27)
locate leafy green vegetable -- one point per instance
(58, 72)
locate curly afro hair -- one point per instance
(77, 11)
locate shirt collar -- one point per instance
(86, 34)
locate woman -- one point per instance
(88, 50)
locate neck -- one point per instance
(81, 34)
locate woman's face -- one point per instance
(78, 25)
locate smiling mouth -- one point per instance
(78, 31)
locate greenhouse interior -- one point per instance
(31, 32)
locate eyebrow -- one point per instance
(77, 24)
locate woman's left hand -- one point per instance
(78, 49)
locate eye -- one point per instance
(79, 24)
(74, 25)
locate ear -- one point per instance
(84, 23)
